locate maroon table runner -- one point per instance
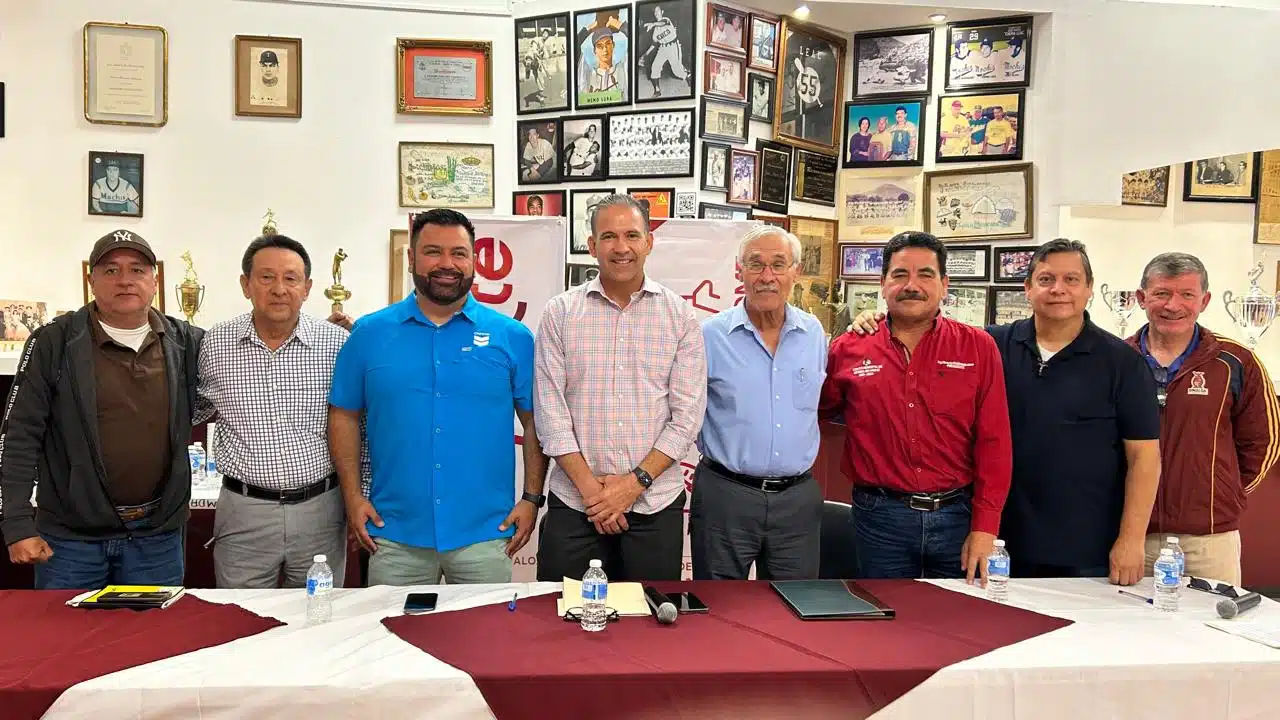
(48, 647)
(750, 656)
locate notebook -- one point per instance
(133, 597)
(831, 600)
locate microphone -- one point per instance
(1231, 607)
(663, 609)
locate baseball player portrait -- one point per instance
(269, 82)
(115, 182)
(810, 72)
(542, 78)
(582, 149)
(604, 46)
(660, 44)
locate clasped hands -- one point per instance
(606, 507)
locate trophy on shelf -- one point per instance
(269, 224)
(1254, 312)
(190, 291)
(336, 292)
(1122, 303)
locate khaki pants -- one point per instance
(1213, 557)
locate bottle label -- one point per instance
(311, 586)
(997, 566)
(1166, 574)
(594, 590)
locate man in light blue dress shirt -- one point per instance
(754, 498)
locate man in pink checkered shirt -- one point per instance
(620, 390)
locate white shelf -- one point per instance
(8, 363)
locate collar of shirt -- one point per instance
(409, 310)
(1024, 332)
(738, 319)
(1176, 365)
(100, 336)
(303, 330)
(650, 287)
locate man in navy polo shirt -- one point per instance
(437, 376)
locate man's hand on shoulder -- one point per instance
(342, 320)
(866, 323)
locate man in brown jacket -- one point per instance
(1220, 420)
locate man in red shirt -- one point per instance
(928, 446)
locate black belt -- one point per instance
(767, 484)
(285, 497)
(924, 502)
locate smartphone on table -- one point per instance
(420, 603)
(687, 602)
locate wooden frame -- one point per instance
(735, 196)
(946, 114)
(259, 99)
(946, 207)
(913, 90)
(399, 267)
(1148, 188)
(872, 154)
(133, 181)
(1188, 186)
(1266, 213)
(521, 208)
(117, 110)
(708, 76)
(538, 24)
(709, 28)
(157, 302)
(997, 263)
(478, 51)
(470, 156)
(661, 202)
(827, 142)
(1008, 30)
(983, 276)
(755, 60)
(847, 251)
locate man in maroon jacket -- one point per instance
(1218, 428)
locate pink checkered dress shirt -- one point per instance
(615, 383)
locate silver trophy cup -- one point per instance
(1254, 312)
(1122, 303)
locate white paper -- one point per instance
(125, 74)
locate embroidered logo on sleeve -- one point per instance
(1198, 384)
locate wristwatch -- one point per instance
(645, 478)
(537, 500)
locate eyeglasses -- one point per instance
(574, 614)
(756, 266)
(1222, 589)
(1161, 376)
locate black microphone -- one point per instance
(1231, 607)
(663, 609)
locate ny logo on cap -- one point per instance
(123, 236)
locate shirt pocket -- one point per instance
(806, 388)
(954, 394)
(480, 372)
(306, 399)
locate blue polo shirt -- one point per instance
(1172, 371)
(439, 401)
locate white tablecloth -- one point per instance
(1121, 659)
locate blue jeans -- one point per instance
(894, 541)
(89, 565)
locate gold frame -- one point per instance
(164, 71)
(399, 265)
(837, 124)
(485, 47)
(242, 77)
(926, 198)
(157, 302)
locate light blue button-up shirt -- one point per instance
(762, 409)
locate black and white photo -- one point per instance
(666, 50)
(542, 64)
(969, 263)
(811, 76)
(715, 167)
(582, 149)
(651, 143)
(576, 274)
(115, 184)
(537, 141)
(763, 53)
(760, 92)
(723, 120)
(582, 203)
(986, 54)
(893, 62)
(713, 211)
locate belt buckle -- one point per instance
(294, 495)
(923, 503)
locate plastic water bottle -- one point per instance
(195, 453)
(211, 474)
(1167, 582)
(595, 591)
(1171, 542)
(998, 573)
(319, 591)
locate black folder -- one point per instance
(831, 600)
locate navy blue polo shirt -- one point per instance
(1069, 421)
(1172, 371)
(440, 403)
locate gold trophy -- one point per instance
(336, 292)
(269, 227)
(190, 291)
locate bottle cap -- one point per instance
(596, 564)
(1166, 552)
(998, 543)
(319, 559)
(1172, 539)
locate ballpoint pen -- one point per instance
(512, 605)
(1143, 598)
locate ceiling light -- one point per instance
(937, 18)
(801, 12)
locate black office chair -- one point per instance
(839, 559)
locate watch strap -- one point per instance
(537, 500)
(643, 477)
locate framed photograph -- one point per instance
(724, 76)
(969, 263)
(775, 176)
(535, 202)
(539, 161)
(1013, 264)
(576, 274)
(744, 177)
(444, 77)
(651, 144)
(815, 178)
(582, 148)
(686, 204)
(977, 127)
(760, 88)
(602, 48)
(715, 164)
(726, 28)
(448, 175)
(1008, 304)
(763, 52)
(542, 64)
(657, 202)
(1266, 223)
(781, 221)
(268, 76)
(18, 319)
(723, 120)
(883, 134)
(806, 112)
(1225, 178)
(989, 53)
(115, 184)
(892, 63)
(861, 262)
(157, 302)
(1146, 187)
(582, 203)
(712, 211)
(126, 74)
(968, 304)
(877, 208)
(666, 50)
(815, 287)
(860, 296)
(984, 202)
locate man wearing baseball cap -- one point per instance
(100, 414)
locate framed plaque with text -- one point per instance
(815, 178)
(126, 74)
(444, 77)
(775, 176)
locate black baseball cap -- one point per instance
(268, 57)
(121, 239)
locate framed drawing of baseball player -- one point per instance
(582, 148)
(268, 76)
(115, 184)
(807, 107)
(536, 141)
(984, 54)
(542, 64)
(666, 61)
(602, 48)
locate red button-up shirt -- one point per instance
(931, 422)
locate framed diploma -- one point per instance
(268, 76)
(126, 74)
(444, 77)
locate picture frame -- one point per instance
(538, 151)
(1223, 178)
(1013, 264)
(602, 76)
(961, 136)
(667, 45)
(893, 63)
(1008, 304)
(775, 176)
(444, 77)
(877, 207)
(576, 274)
(860, 296)
(993, 202)
(968, 304)
(726, 28)
(398, 277)
(715, 167)
(760, 94)
(723, 120)
(1146, 187)
(538, 203)
(815, 287)
(744, 177)
(126, 74)
(268, 76)
(659, 203)
(583, 152)
(115, 184)
(988, 54)
(861, 262)
(811, 64)
(686, 204)
(633, 152)
(157, 302)
(878, 139)
(1266, 213)
(448, 175)
(715, 211)
(582, 202)
(763, 49)
(29, 316)
(781, 221)
(724, 76)
(814, 180)
(969, 263)
(543, 81)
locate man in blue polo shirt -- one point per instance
(437, 376)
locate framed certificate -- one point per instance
(126, 74)
(444, 77)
